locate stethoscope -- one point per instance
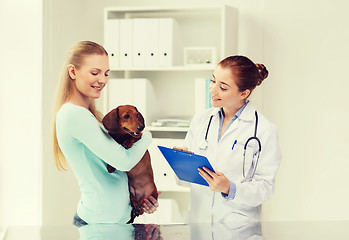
(204, 145)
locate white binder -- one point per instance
(119, 92)
(151, 38)
(126, 36)
(139, 33)
(111, 41)
(200, 94)
(138, 92)
(145, 100)
(167, 28)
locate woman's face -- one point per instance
(91, 77)
(224, 91)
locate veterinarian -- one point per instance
(80, 140)
(240, 184)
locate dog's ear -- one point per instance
(111, 120)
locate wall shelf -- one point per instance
(172, 88)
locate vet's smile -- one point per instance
(215, 98)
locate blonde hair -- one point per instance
(75, 56)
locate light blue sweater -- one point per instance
(88, 149)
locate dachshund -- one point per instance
(125, 125)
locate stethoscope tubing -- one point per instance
(204, 147)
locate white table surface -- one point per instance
(267, 230)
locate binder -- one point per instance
(202, 94)
(208, 94)
(138, 92)
(119, 92)
(112, 41)
(167, 28)
(186, 165)
(151, 39)
(139, 33)
(144, 99)
(126, 36)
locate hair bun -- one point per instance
(263, 73)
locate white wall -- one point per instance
(20, 111)
(306, 96)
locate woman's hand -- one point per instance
(217, 181)
(147, 231)
(150, 205)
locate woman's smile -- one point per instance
(98, 88)
(213, 98)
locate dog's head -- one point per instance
(124, 119)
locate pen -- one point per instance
(232, 148)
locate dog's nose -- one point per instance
(140, 128)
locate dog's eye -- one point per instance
(137, 115)
(127, 116)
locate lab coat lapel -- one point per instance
(246, 115)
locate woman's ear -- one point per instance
(71, 71)
(245, 94)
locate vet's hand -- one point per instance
(150, 205)
(217, 181)
(183, 149)
(180, 148)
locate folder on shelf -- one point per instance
(133, 91)
(208, 94)
(167, 28)
(112, 41)
(202, 94)
(186, 165)
(126, 36)
(151, 39)
(144, 99)
(139, 33)
(119, 92)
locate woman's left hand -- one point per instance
(150, 205)
(217, 181)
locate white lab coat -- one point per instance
(209, 206)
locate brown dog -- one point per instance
(124, 125)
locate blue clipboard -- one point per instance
(185, 165)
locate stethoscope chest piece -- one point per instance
(203, 145)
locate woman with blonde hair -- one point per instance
(80, 140)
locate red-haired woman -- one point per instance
(240, 143)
